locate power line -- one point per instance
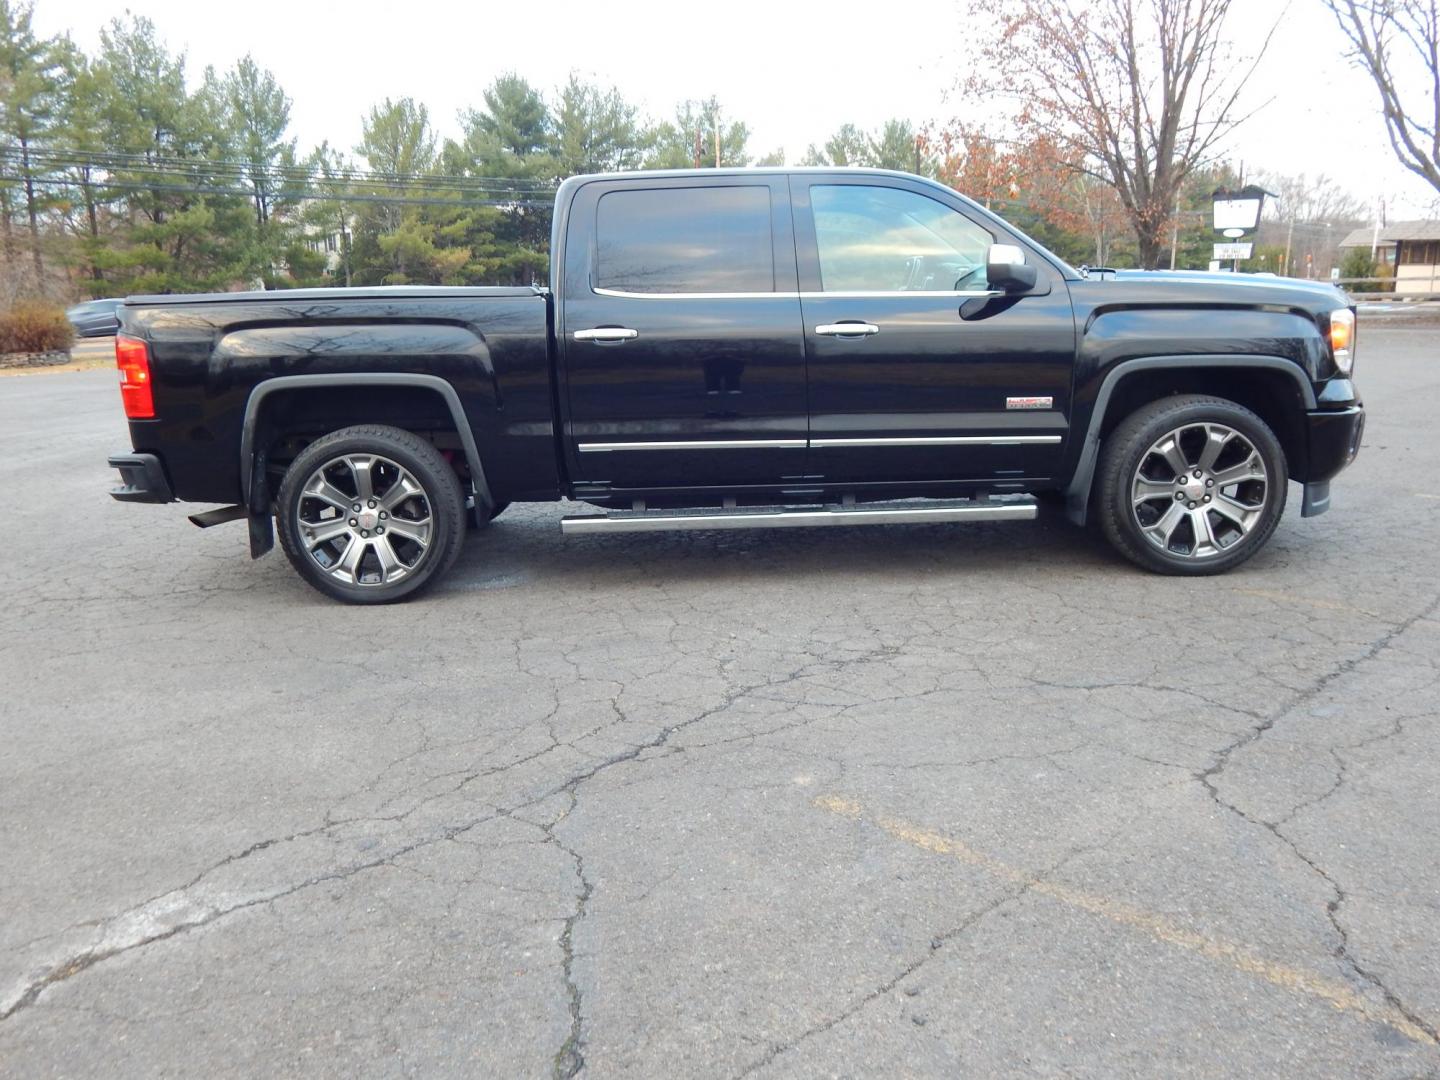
(104, 158)
(195, 169)
(244, 193)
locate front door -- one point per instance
(680, 337)
(917, 370)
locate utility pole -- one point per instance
(717, 137)
(345, 244)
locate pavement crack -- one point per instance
(137, 927)
(1332, 911)
(937, 943)
(570, 1058)
(1222, 758)
(113, 946)
(1332, 908)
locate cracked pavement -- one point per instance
(925, 800)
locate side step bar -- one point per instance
(913, 511)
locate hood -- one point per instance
(1204, 287)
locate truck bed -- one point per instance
(209, 351)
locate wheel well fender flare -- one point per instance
(1077, 493)
(377, 378)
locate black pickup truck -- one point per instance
(745, 348)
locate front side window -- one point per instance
(877, 239)
(685, 240)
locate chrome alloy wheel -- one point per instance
(364, 520)
(1199, 490)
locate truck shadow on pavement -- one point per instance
(526, 545)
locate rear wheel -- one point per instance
(1191, 485)
(370, 514)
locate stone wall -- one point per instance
(40, 359)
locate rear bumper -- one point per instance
(1333, 440)
(142, 479)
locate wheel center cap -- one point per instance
(368, 519)
(1194, 488)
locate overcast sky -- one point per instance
(794, 71)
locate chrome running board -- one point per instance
(911, 512)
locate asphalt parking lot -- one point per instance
(939, 800)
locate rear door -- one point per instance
(680, 335)
(918, 371)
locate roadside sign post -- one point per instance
(1237, 214)
(1234, 251)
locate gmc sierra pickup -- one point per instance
(745, 348)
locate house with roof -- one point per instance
(1410, 248)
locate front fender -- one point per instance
(1077, 493)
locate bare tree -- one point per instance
(1137, 93)
(1398, 42)
(1305, 198)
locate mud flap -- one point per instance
(1316, 499)
(262, 525)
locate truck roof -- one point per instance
(744, 170)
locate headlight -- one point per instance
(1342, 339)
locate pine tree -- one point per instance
(595, 131)
(32, 92)
(398, 143)
(693, 136)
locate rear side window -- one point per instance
(685, 240)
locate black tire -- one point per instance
(439, 499)
(1132, 465)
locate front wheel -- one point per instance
(1191, 485)
(370, 514)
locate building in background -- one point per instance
(1408, 249)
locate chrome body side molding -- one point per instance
(941, 440)
(821, 444)
(694, 444)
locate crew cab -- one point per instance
(745, 348)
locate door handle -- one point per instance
(607, 333)
(847, 329)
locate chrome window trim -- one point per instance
(876, 294)
(624, 295)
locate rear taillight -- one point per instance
(132, 357)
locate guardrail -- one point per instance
(1384, 289)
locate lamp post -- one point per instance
(1237, 214)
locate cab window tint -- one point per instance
(876, 239)
(685, 240)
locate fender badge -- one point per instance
(1029, 402)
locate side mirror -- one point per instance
(1006, 270)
